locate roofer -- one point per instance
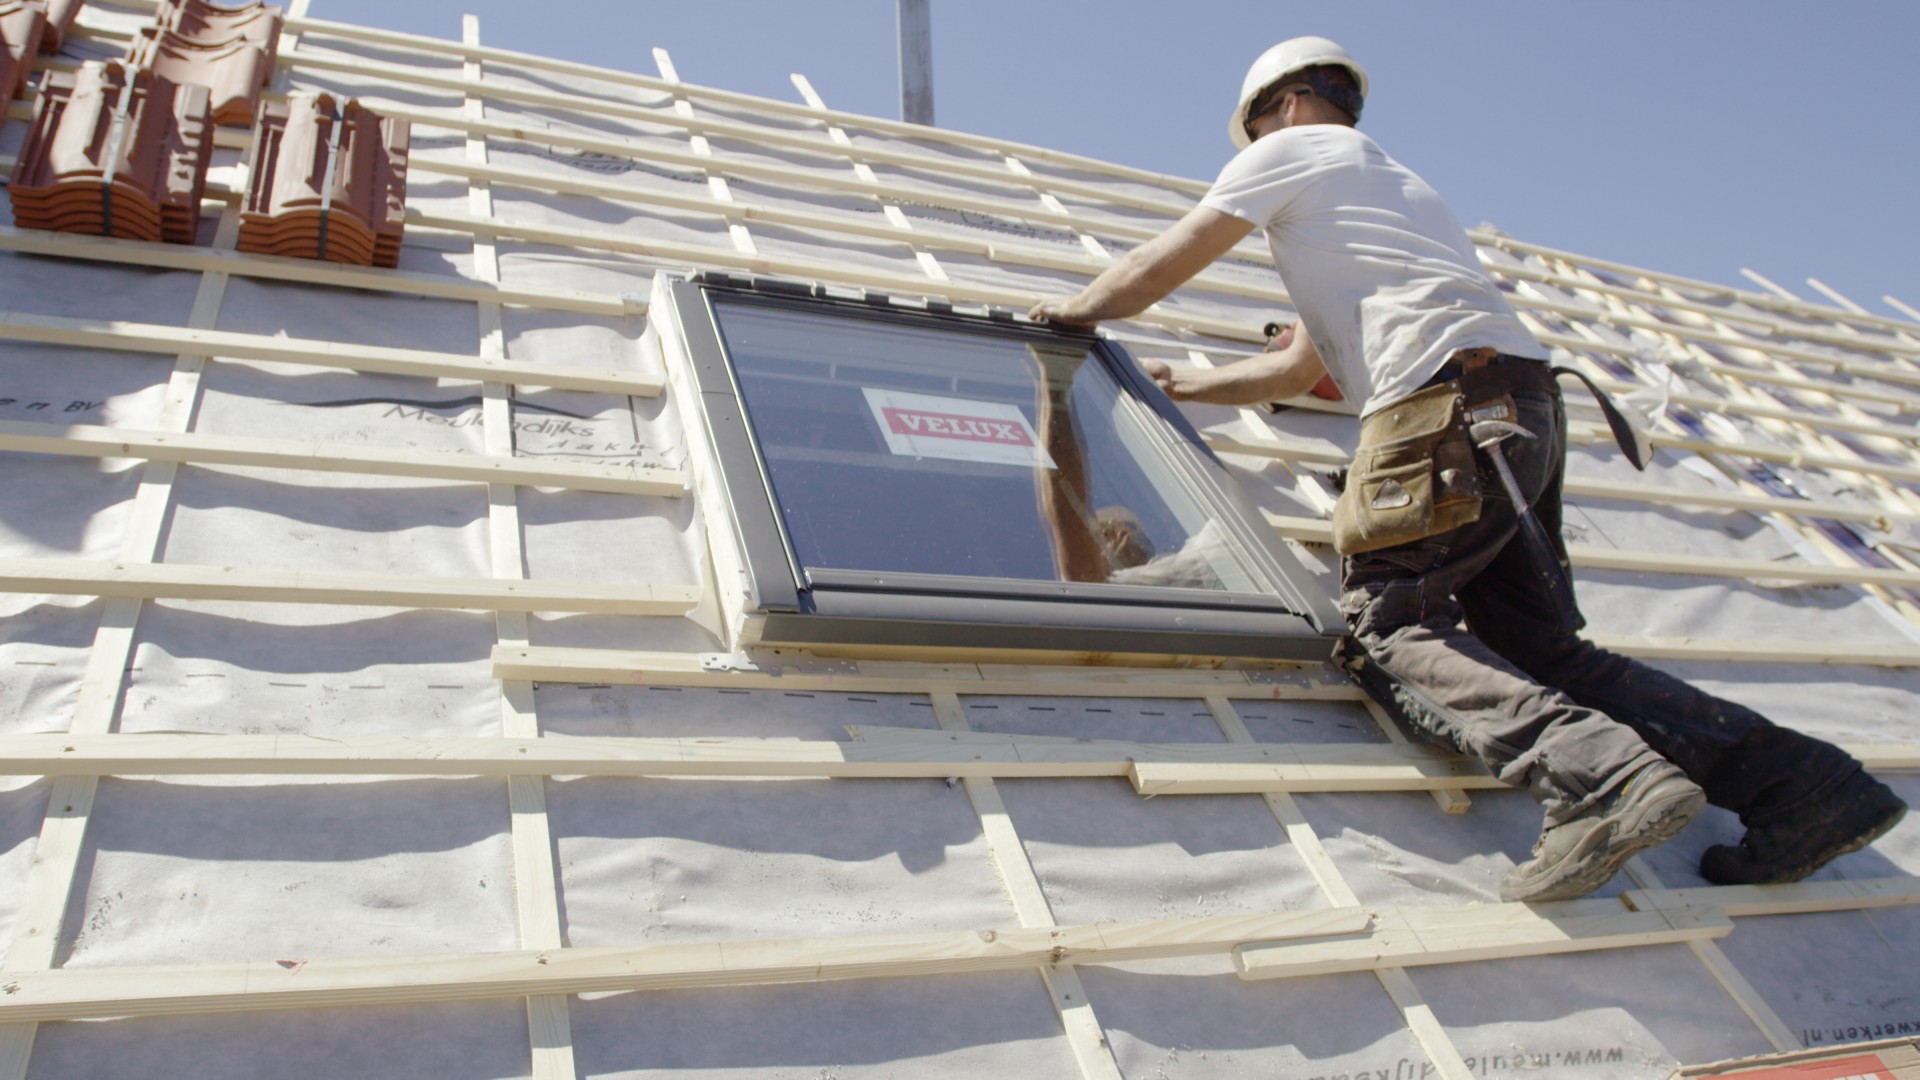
(1460, 615)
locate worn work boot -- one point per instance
(1579, 855)
(1789, 845)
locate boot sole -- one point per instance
(1654, 821)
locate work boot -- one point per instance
(1579, 855)
(1795, 842)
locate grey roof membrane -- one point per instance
(191, 875)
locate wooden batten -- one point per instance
(1796, 898)
(307, 271)
(793, 670)
(194, 448)
(79, 993)
(1419, 937)
(149, 581)
(1406, 768)
(189, 341)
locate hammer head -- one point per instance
(1493, 432)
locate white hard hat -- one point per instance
(1284, 59)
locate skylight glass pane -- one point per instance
(901, 448)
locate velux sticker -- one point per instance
(956, 429)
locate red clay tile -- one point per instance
(212, 24)
(326, 181)
(115, 151)
(60, 16)
(23, 25)
(228, 50)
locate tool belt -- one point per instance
(1483, 375)
(1414, 474)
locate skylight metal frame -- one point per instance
(787, 603)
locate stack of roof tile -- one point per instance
(115, 151)
(228, 50)
(23, 26)
(326, 181)
(60, 16)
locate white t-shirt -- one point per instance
(1383, 275)
(1190, 567)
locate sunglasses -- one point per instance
(1269, 100)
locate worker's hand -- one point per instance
(1065, 311)
(1180, 384)
(1160, 372)
(1280, 341)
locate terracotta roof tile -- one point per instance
(326, 182)
(115, 151)
(228, 50)
(22, 26)
(60, 16)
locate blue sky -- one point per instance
(1692, 136)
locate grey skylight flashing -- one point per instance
(786, 601)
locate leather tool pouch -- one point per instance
(1413, 475)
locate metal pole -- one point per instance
(916, 62)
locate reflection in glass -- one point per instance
(953, 451)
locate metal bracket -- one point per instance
(1298, 678)
(740, 661)
(774, 663)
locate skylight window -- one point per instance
(897, 477)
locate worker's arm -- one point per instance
(1062, 490)
(1288, 371)
(1149, 272)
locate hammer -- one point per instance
(1488, 435)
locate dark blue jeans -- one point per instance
(1462, 642)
